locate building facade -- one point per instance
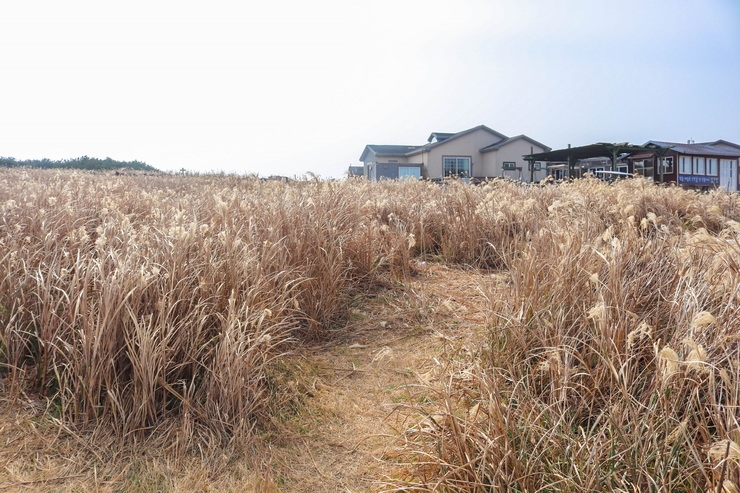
(701, 166)
(477, 153)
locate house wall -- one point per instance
(688, 179)
(705, 180)
(422, 158)
(370, 157)
(400, 159)
(467, 145)
(488, 166)
(493, 162)
(667, 177)
(388, 171)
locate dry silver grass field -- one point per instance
(189, 333)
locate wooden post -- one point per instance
(614, 160)
(570, 166)
(531, 165)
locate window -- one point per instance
(668, 164)
(537, 166)
(698, 165)
(409, 172)
(712, 166)
(644, 168)
(509, 165)
(685, 165)
(457, 166)
(622, 169)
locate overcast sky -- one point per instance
(286, 87)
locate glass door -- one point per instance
(728, 174)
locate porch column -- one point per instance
(570, 166)
(614, 160)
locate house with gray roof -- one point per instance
(700, 165)
(476, 153)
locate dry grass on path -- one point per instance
(364, 381)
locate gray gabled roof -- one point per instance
(440, 136)
(457, 136)
(499, 145)
(443, 138)
(718, 148)
(726, 143)
(387, 150)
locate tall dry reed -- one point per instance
(612, 362)
(128, 300)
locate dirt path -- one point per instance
(362, 383)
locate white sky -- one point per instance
(286, 87)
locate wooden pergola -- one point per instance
(601, 149)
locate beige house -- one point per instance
(476, 153)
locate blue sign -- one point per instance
(698, 180)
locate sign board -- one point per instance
(698, 180)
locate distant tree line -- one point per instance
(84, 162)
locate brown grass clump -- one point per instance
(129, 300)
(612, 361)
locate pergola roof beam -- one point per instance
(600, 149)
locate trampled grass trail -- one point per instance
(362, 386)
